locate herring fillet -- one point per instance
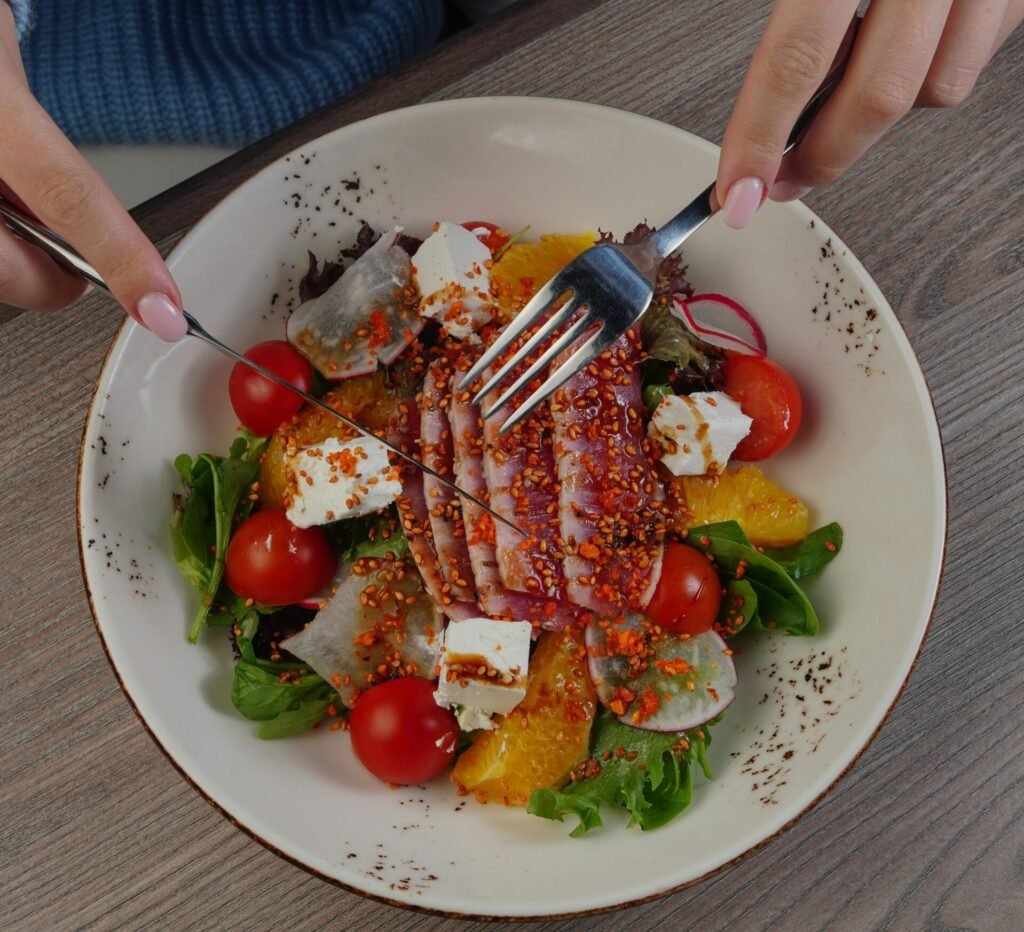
(404, 432)
(611, 498)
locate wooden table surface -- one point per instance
(927, 831)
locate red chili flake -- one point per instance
(672, 667)
(647, 705)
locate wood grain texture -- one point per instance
(927, 831)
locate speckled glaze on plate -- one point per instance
(869, 456)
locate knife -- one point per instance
(65, 255)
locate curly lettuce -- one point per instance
(649, 774)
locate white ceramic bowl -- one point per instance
(869, 456)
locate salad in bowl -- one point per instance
(576, 665)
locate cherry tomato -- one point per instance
(273, 562)
(493, 237)
(768, 395)
(689, 593)
(261, 405)
(400, 734)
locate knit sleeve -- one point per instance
(22, 15)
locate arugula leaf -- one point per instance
(369, 536)
(812, 554)
(287, 706)
(201, 523)
(781, 603)
(646, 773)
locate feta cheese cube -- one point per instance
(339, 479)
(698, 432)
(470, 718)
(483, 669)
(452, 274)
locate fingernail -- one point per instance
(161, 315)
(788, 191)
(742, 201)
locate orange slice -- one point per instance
(547, 734)
(770, 516)
(524, 267)
(365, 399)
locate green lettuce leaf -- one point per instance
(365, 536)
(286, 705)
(779, 603)
(649, 774)
(215, 497)
(812, 554)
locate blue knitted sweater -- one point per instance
(212, 71)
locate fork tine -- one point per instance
(555, 288)
(523, 353)
(560, 345)
(589, 351)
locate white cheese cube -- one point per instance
(698, 432)
(483, 668)
(339, 479)
(451, 270)
(470, 718)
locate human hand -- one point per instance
(907, 53)
(42, 171)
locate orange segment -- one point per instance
(526, 266)
(770, 516)
(548, 733)
(365, 399)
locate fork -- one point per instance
(609, 287)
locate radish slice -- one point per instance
(720, 321)
(658, 681)
(356, 641)
(363, 317)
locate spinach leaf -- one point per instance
(649, 774)
(215, 494)
(295, 721)
(655, 393)
(812, 554)
(739, 607)
(288, 705)
(369, 536)
(781, 603)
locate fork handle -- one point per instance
(692, 217)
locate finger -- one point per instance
(883, 78)
(30, 279)
(70, 197)
(1012, 18)
(966, 44)
(791, 60)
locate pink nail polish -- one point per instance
(161, 315)
(788, 191)
(742, 201)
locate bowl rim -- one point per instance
(553, 103)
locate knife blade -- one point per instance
(29, 229)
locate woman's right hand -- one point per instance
(42, 170)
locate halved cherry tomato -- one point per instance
(271, 561)
(400, 734)
(767, 393)
(492, 236)
(689, 592)
(261, 405)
